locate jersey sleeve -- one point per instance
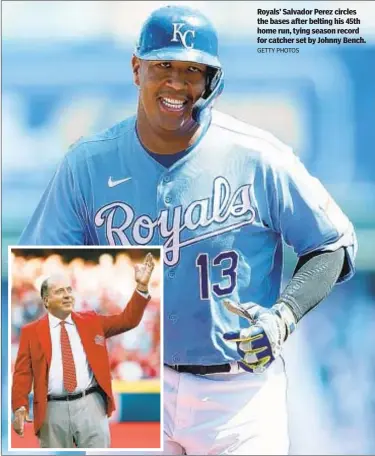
(59, 217)
(306, 215)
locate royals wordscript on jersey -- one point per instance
(220, 212)
(128, 198)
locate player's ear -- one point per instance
(136, 64)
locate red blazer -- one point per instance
(35, 352)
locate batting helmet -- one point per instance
(184, 34)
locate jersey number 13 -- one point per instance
(228, 262)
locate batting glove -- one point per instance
(260, 344)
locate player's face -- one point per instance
(168, 91)
(59, 300)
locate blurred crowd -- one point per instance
(104, 285)
(331, 372)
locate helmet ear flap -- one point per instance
(213, 78)
(214, 87)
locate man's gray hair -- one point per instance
(44, 288)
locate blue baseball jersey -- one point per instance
(221, 213)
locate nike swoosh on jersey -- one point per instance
(113, 183)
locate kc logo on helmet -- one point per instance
(178, 34)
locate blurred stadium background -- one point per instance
(102, 280)
(66, 73)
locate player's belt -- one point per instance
(73, 397)
(201, 370)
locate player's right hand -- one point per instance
(20, 417)
(143, 272)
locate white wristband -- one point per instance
(145, 294)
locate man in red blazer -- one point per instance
(64, 356)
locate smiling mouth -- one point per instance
(172, 104)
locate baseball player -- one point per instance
(221, 197)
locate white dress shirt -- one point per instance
(84, 374)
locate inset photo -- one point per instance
(85, 348)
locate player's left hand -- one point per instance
(260, 344)
(143, 272)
